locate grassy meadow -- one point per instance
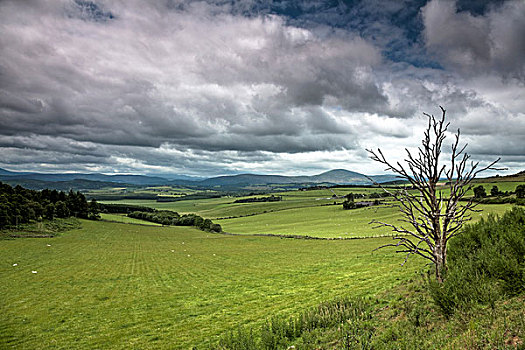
(112, 285)
(330, 221)
(305, 213)
(122, 218)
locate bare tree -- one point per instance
(432, 217)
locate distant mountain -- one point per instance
(77, 184)
(338, 176)
(176, 177)
(245, 180)
(7, 172)
(123, 179)
(341, 176)
(94, 180)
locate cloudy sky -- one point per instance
(287, 87)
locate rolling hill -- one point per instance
(337, 176)
(94, 180)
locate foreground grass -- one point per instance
(479, 305)
(404, 317)
(111, 285)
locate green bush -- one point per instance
(485, 263)
(168, 217)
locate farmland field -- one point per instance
(330, 221)
(306, 213)
(118, 285)
(112, 285)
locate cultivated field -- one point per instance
(111, 285)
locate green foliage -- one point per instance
(168, 217)
(49, 212)
(93, 210)
(520, 191)
(500, 200)
(479, 192)
(349, 203)
(41, 229)
(271, 198)
(403, 318)
(122, 208)
(410, 321)
(19, 205)
(486, 262)
(494, 191)
(61, 209)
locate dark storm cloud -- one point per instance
(177, 80)
(193, 85)
(474, 44)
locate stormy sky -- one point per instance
(222, 87)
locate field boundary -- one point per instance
(307, 236)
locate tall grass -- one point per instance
(350, 318)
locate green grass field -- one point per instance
(111, 285)
(310, 213)
(225, 207)
(125, 219)
(330, 221)
(116, 285)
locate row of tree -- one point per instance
(271, 198)
(19, 205)
(168, 217)
(480, 192)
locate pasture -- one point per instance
(330, 221)
(305, 213)
(122, 218)
(112, 285)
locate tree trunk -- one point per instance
(440, 254)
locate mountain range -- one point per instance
(96, 180)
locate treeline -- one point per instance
(122, 208)
(168, 217)
(499, 197)
(271, 198)
(19, 205)
(122, 196)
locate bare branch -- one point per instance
(433, 217)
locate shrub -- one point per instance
(479, 192)
(168, 217)
(486, 262)
(520, 191)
